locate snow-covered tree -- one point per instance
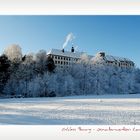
(13, 52)
(41, 62)
(34, 76)
(137, 80)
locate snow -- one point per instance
(115, 58)
(112, 58)
(65, 53)
(73, 110)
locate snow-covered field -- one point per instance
(76, 110)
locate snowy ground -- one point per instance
(77, 110)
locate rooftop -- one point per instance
(65, 53)
(113, 58)
(76, 54)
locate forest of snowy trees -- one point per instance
(35, 75)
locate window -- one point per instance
(55, 57)
(58, 62)
(61, 62)
(55, 62)
(58, 57)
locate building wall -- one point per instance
(63, 61)
(125, 64)
(122, 62)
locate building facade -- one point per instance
(114, 61)
(64, 59)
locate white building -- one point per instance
(113, 60)
(64, 58)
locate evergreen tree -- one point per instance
(4, 71)
(50, 64)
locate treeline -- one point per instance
(17, 71)
(35, 75)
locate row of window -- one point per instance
(62, 62)
(64, 58)
(120, 64)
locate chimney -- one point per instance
(102, 54)
(63, 50)
(72, 49)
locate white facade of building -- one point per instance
(65, 59)
(113, 60)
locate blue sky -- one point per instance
(115, 35)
